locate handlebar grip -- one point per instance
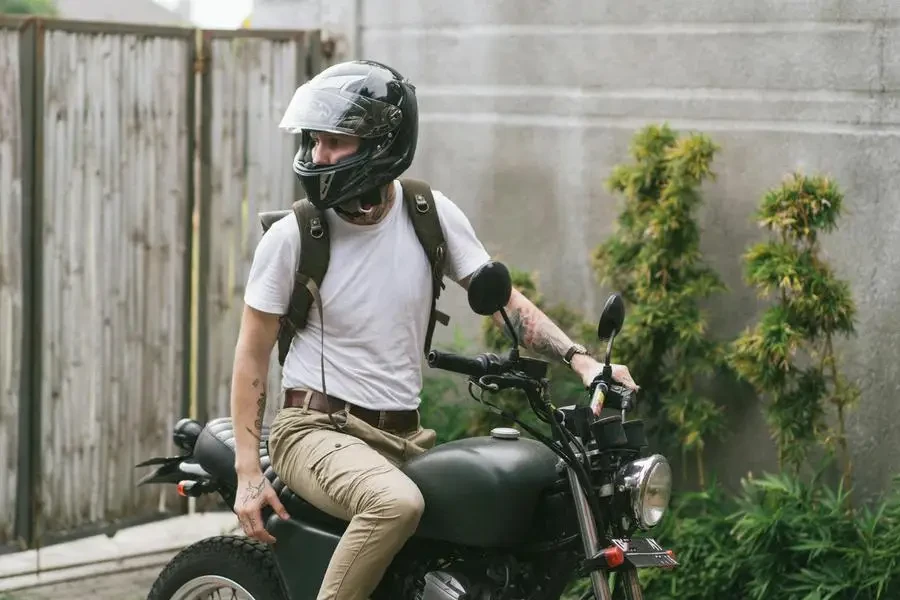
(456, 363)
(614, 396)
(625, 398)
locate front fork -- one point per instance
(627, 578)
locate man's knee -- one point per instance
(411, 506)
(402, 504)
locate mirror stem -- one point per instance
(514, 352)
(607, 369)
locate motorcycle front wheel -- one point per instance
(220, 567)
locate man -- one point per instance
(341, 450)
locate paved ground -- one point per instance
(122, 567)
(133, 585)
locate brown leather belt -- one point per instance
(399, 421)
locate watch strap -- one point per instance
(572, 351)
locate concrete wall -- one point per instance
(527, 105)
(337, 18)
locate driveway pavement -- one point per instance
(121, 567)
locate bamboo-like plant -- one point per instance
(789, 356)
(654, 261)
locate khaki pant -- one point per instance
(352, 474)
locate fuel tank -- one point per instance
(482, 491)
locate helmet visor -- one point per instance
(328, 106)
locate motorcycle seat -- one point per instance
(214, 451)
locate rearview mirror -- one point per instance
(490, 288)
(612, 318)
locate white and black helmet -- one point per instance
(361, 98)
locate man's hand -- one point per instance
(255, 492)
(539, 334)
(588, 368)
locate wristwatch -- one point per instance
(572, 351)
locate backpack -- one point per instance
(315, 253)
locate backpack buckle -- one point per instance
(315, 228)
(421, 204)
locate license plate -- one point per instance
(645, 553)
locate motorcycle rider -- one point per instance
(358, 125)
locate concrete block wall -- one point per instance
(338, 19)
(527, 105)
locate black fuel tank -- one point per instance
(482, 491)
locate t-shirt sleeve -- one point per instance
(275, 260)
(465, 252)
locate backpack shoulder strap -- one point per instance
(315, 251)
(422, 211)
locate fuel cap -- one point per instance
(505, 433)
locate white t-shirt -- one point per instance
(376, 298)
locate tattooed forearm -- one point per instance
(534, 329)
(260, 409)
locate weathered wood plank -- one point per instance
(252, 82)
(114, 237)
(10, 274)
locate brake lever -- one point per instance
(491, 387)
(503, 382)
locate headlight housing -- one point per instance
(647, 484)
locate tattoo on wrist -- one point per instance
(260, 410)
(253, 491)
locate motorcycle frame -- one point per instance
(592, 523)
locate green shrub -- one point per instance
(698, 529)
(790, 536)
(781, 538)
(653, 259)
(446, 407)
(443, 410)
(789, 356)
(45, 8)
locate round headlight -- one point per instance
(648, 483)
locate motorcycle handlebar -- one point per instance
(615, 396)
(483, 364)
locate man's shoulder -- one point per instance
(285, 227)
(447, 209)
(282, 236)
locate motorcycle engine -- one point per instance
(446, 584)
(443, 585)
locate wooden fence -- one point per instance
(133, 160)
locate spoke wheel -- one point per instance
(220, 568)
(212, 587)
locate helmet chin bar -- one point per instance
(354, 206)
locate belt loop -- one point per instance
(381, 415)
(306, 398)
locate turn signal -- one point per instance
(181, 487)
(614, 556)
